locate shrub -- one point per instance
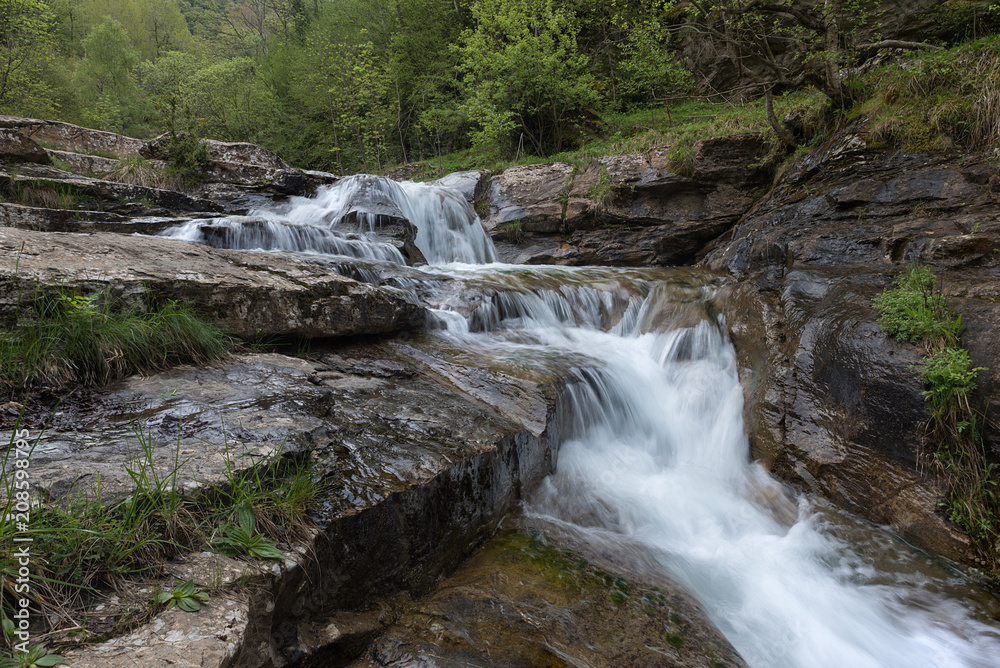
(187, 157)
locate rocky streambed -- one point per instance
(593, 416)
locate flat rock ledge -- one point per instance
(247, 294)
(423, 471)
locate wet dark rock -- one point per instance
(16, 147)
(247, 294)
(744, 160)
(414, 460)
(834, 404)
(627, 209)
(526, 600)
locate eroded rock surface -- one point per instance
(19, 148)
(627, 210)
(529, 196)
(836, 405)
(525, 600)
(412, 460)
(247, 294)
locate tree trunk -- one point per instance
(787, 138)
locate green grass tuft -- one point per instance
(69, 338)
(141, 172)
(936, 100)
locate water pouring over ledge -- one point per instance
(656, 460)
(354, 218)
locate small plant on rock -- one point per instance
(36, 657)
(241, 539)
(602, 191)
(914, 309)
(185, 596)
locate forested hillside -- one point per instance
(359, 85)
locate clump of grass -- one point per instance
(98, 339)
(602, 191)
(512, 231)
(38, 193)
(89, 543)
(914, 310)
(935, 100)
(140, 172)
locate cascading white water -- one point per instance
(263, 233)
(347, 218)
(657, 459)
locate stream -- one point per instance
(656, 460)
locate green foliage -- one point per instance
(522, 69)
(97, 339)
(154, 26)
(950, 379)
(26, 47)
(230, 99)
(241, 539)
(36, 657)
(187, 158)
(184, 595)
(104, 77)
(936, 100)
(914, 310)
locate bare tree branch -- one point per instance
(898, 44)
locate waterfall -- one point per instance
(264, 233)
(656, 461)
(354, 218)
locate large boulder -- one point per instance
(529, 197)
(472, 184)
(242, 153)
(633, 210)
(68, 137)
(247, 294)
(15, 147)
